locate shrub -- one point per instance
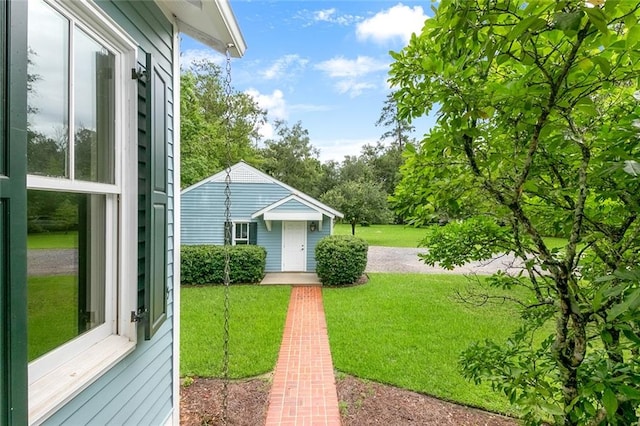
(341, 259)
(204, 264)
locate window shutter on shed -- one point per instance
(253, 233)
(153, 199)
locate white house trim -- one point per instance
(270, 215)
(210, 21)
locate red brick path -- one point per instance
(304, 390)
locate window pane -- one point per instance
(65, 266)
(94, 97)
(48, 89)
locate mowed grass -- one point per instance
(52, 304)
(384, 235)
(255, 329)
(406, 236)
(53, 240)
(409, 330)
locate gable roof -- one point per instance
(212, 22)
(293, 197)
(244, 173)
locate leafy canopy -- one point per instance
(537, 134)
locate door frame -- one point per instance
(303, 252)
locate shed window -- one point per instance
(243, 233)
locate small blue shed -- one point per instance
(264, 211)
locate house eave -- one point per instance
(210, 22)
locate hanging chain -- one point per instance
(227, 238)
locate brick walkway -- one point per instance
(304, 390)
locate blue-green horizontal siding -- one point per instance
(203, 212)
(139, 389)
(203, 217)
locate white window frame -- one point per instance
(58, 376)
(241, 222)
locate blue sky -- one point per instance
(323, 63)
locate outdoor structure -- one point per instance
(89, 206)
(264, 211)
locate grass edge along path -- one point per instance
(255, 329)
(408, 330)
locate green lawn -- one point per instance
(52, 240)
(256, 325)
(52, 304)
(408, 330)
(405, 236)
(384, 235)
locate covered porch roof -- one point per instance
(310, 212)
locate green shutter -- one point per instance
(152, 134)
(13, 213)
(253, 233)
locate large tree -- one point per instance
(209, 118)
(360, 202)
(291, 158)
(537, 124)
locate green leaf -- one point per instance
(609, 401)
(521, 27)
(603, 64)
(568, 21)
(629, 392)
(552, 409)
(633, 35)
(631, 336)
(598, 19)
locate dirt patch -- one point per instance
(361, 403)
(368, 403)
(201, 402)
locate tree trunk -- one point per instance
(570, 344)
(353, 228)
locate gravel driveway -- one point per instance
(52, 261)
(406, 260)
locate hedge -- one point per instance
(204, 264)
(341, 259)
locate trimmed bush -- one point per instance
(341, 259)
(204, 264)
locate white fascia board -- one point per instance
(297, 198)
(293, 216)
(210, 21)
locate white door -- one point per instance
(294, 247)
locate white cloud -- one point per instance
(398, 22)
(276, 107)
(352, 74)
(324, 15)
(274, 103)
(283, 66)
(189, 57)
(331, 16)
(337, 149)
(353, 88)
(341, 67)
